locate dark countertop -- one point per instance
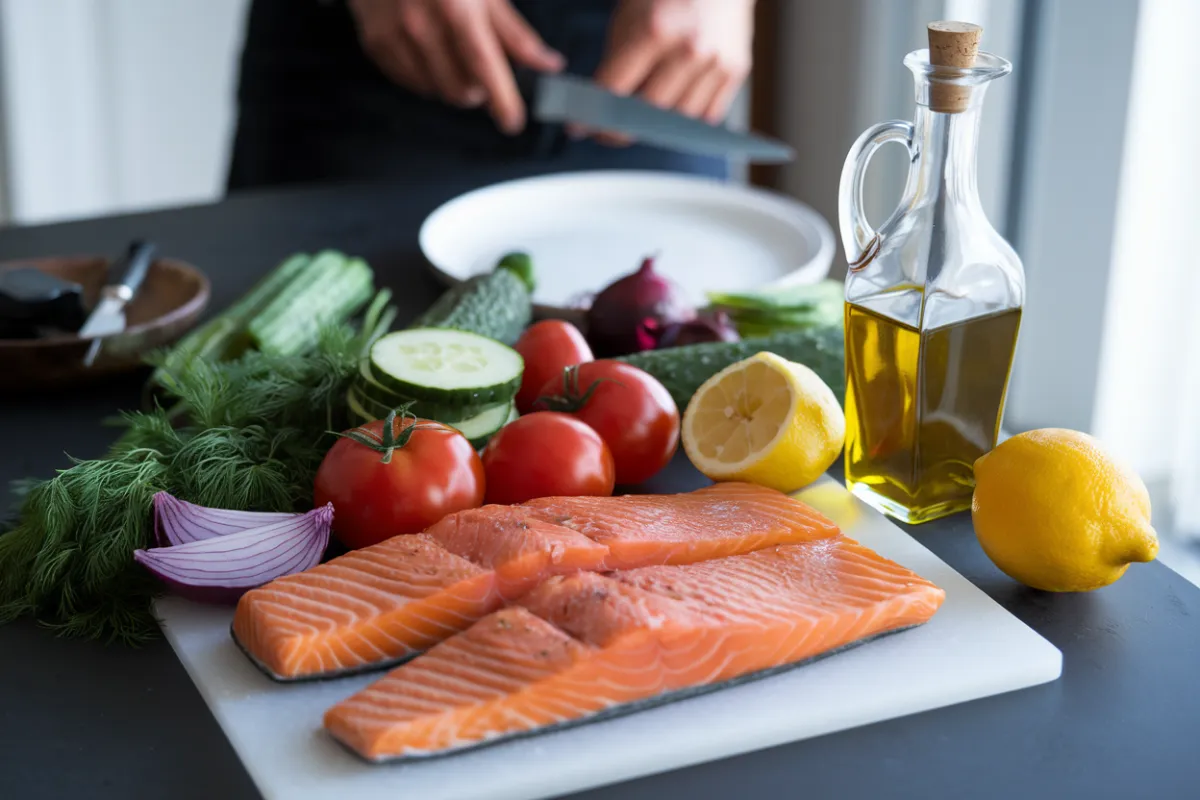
(79, 719)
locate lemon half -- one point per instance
(764, 420)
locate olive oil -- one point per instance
(934, 296)
(921, 406)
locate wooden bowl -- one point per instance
(169, 302)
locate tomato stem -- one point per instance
(571, 399)
(389, 440)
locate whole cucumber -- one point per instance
(496, 305)
(683, 369)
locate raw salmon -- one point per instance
(381, 604)
(369, 607)
(589, 643)
(521, 548)
(725, 519)
(384, 603)
(458, 686)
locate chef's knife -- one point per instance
(572, 99)
(109, 315)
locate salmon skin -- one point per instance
(587, 644)
(380, 605)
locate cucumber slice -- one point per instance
(364, 406)
(376, 397)
(358, 413)
(369, 388)
(477, 429)
(480, 428)
(367, 378)
(380, 404)
(480, 442)
(447, 366)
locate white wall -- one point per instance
(842, 71)
(1146, 408)
(116, 105)
(121, 105)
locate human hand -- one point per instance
(455, 49)
(689, 55)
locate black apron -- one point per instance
(312, 108)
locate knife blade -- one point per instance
(108, 317)
(570, 98)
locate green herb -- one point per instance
(253, 433)
(68, 560)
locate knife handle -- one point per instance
(548, 138)
(527, 81)
(137, 263)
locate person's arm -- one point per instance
(455, 49)
(689, 55)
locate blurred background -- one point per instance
(1086, 166)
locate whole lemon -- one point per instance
(1056, 512)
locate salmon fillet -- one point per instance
(521, 548)
(725, 519)
(457, 686)
(371, 606)
(376, 606)
(381, 604)
(589, 643)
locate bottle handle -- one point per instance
(858, 237)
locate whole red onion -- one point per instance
(615, 319)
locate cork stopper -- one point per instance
(952, 44)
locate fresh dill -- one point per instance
(246, 434)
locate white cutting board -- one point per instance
(972, 648)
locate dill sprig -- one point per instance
(246, 434)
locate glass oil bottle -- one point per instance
(933, 298)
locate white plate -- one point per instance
(586, 229)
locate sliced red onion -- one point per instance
(223, 568)
(179, 522)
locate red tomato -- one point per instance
(633, 413)
(431, 472)
(548, 348)
(546, 455)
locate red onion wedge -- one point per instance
(223, 568)
(179, 522)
